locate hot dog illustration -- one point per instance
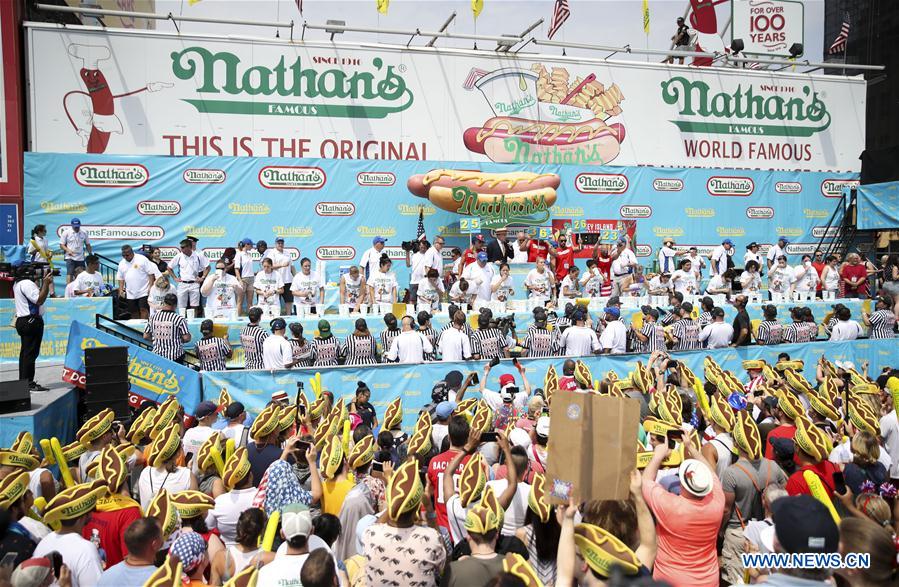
(462, 190)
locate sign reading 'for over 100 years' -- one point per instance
(768, 27)
(147, 93)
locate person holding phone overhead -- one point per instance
(509, 396)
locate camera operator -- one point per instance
(29, 301)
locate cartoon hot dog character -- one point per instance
(474, 192)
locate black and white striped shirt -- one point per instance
(687, 332)
(541, 342)
(705, 318)
(166, 329)
(325, 352)
(251, 338)
(302, 353)
(655, 335)
(488, 343)
(811, 331)
(562, 323)
(431, 335)
(386, 339)
(828, 327)
(795, 332)
(213, 353)
(360, 350)
(671, 317)
(883, 322)
(769, 332)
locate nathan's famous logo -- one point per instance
(789, 231)
(111, 175)
(248, 208)
(724, 231)
(497, 199)
(826, 231)
(543, 117)
(142, 373)
(643, 250)
(276, 177)
(748, 111)
(567, 211)
(788, 187)
(812, 213)
(271, 90)
(833, 188)
(292, 231)
(666, 184)
(759, 212)
(158, 208)
(204, 176)
(699, 212)
(410, 210)
(63, 207)
(205, 231)
(375, 178)
(730, 186)
(601, 183)
(335, 208)
(663, 231)
(635, 211)
(373, 231)
(335, 253)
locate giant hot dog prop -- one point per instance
(471, 192)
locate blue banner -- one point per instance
(878, 206)
(152, 377)
(414, 383)
(329, 210)
(59, 313)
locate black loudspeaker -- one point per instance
(15, 397)
(106, 382)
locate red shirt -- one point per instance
(604, 264)
(112, 525)
(819, 267)
(469, 256)
(436, 468)
(855, 271)
(782, 431)
(537, 249)
(796, 484)
(567, 383)
(564, 261)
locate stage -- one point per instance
(53, 413)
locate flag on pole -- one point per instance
(192, 2)
(476, 7)
(646, 16)
(420, 233)
(839, 44)
(561, 12)
(300, 6)
(382, 5)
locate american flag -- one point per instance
(300, 6)
(420, 234)
(839, 44)
(560, 15)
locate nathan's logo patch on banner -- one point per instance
(833, 188)
(699, 212)
(812, 213)
(158, 208)
(204, 176)
(801, 248)
(635, 211)
(730, 186)
(335, 208)
(63, 207)
(601, 183)
(643, 250)
(759, 212)
(291, 178)
(410, 210)
(365, 231)
(788, 187)
(375, 178)
(111, 232)
(111, 175)
(335, 253)
(248, 209)
(826, 232)
(665, 184)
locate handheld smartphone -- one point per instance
(475, 380)
(299, 386)
(489, 437)
(301, 447)
(839, 482)
(302, 410)
(671, 443)
(494, 362)
(377, 466)
(56, 562)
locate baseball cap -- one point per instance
(378, 239)
(654, 313)
(445, 409)
(296, 521)
(752, 244)
(479, 237)
(614, 301)
(506, 379)
(519, 437)
(75, 222)
(613, 311)
(32, 572)
(727, 241)
(280, 239)
(695, 477)
(482, 256)
(324, 327)
(233, 410)
(206, 326)
(246, 241)
(785, 240)
(278, 324)
(803, 524)
(280, 396)
(542, 427)
(844, 365)
(784, 448)
(390, 319)
(645, 309)
(578, 316)
(205, 408)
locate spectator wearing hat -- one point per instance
(168, 331)
(812, 450)
(16, 501)
(136, 275)
(483, 525)
(371, 257)
(244, 266)
(162, 470)
(206, 415)
(480, 275)
(189, 269)
(454, 343)
(720, 256)
(540, 283)
(802, 524)
(282, 263)
(276, 351)
(777, 251)
(440, 428)
(268, 285)
(360, 347)
(74, 242)
(264, 448)
(213, 351)
(687, 524)
(613, 339)
(499, 250)
(752, 254)
(365, 498)
(191, 551)
(238, 479)
(718, 334)
(326, 349)
(470, 255)
(409, 346)
(236, 417)
(579, 340)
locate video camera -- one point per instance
(32, 271)
(410, 246)
(506, 324)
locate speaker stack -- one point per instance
(106, 382)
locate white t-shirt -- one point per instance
(417, 271)
(193, 440)
(614, 337)
(579, 341)
(831, 278)
(454, 345)
(284, 571)
(749, 281)
(717, 335)
(655, 284)
(479, 279)
(774, 252)
(189, 267)
(276, 352)
(308, 283)
(666, 253)
(157, 296)
(224, 293)
(409, 347)
(34, 254)
(152, 480)
(520, 256)
(384, 286)
(750, 256)
(805, 277)
(352, 287)
(431, 260)
(517, 509)
(75, 242)
(26, 291)
(780, 279)
(457, 295)
(848, 330)
(716, 282)
(591, 281)
(684, 281)
(697, 263)
(506, 288)
(228, 507)
(540, 284)
(574, 291)
(136, 275)
(494, 399)
(371, 262)
(89, 282)
(277, 258)
(429, 293)
(78, 554)
(267, 284)
(622, 265)
(243, 264)
(719, 259)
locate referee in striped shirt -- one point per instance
(213, 351)
(168, 331)
(251, 338)
(882, 321)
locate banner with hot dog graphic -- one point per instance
(154, 93)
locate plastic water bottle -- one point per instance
(95, 540)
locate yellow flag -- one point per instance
(192, 2)
(476, 7)
(646, 16)
(382, 5)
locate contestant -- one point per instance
(306, 287)
(268, 286)
(382, 285)
(353, 289)
(503, 288)
(539, 282)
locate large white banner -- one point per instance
(145, 92)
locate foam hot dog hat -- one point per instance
(169, 574)
(24, 442)
(248, 577)
(20, 460)
(582, 374)
(393, 417)
(863, 416)
(163, 509)
(12, 487)
(191, 503)
(472, 480)
(404, 490)
(165, 415)
(95, 427)
(141, 425)
(602, 550)
(420, 442)
(746, 434)
(74, 502)
(266, 422)
(331, 456)
(362, 452)
(516, 565)
(237, 467)
(522, 191)
(538, 501)
(483, 417)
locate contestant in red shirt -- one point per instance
(563, 257)
(471, 253)
(537, 249)
(854, 276)
(604, 257)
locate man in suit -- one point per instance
(499, 250)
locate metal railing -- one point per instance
(134, 336)
(843, 220)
